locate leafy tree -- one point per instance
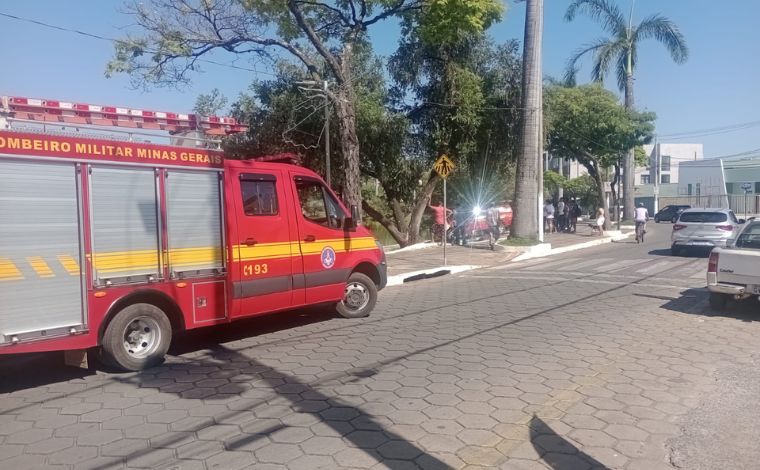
(621, 49)
(210, 104)
(552, 182)
(589, 125)
(321, 37)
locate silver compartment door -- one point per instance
(194, 226)
(40, 275)
(125, 229)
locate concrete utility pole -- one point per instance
(656, 175)
(529, 213)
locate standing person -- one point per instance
(574, 213)
(560, 222)
(549, 216)
(492, 217)
(460, 220)
(440, 223)
(641, 216)
(600, 221)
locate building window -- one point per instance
(665, 163)
(259, 195)
(644, 179)
(688, 189)
(665, 179)
(757, 188)
(699, 192)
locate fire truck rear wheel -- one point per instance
(359, 298)
(137, 337)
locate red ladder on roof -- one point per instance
(54, 111)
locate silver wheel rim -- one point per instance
(141, 337)
(356, 296)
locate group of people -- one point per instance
(563, 217)
(460, 224)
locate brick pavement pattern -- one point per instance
(501, 368)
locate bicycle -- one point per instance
(641, 230)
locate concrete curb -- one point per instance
(540, 253)
(398, 279)
(415, 247)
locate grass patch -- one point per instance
(519, 242)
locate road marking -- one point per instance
(9, 271)
(551, 263)
(658, 267)
(40, 266)
(587, 264)
(619, 266)
(69, 264)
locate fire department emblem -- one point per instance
(328, 257)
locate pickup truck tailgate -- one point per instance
(739, 266)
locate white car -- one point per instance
(734, 272)
(704, 228)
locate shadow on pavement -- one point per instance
(557, 452)
(694, 302)
(362, 430)
(50, 369)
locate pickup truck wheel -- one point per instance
(137, 338)
(656, 220)
(718, 301)
(359, 298)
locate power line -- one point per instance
(712, 131)
(115, 41)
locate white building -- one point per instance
(670, 157)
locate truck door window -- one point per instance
(259, 194)
(317, 204)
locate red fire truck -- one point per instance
(118, 244)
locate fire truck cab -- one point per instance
(119, 244)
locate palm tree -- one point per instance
(526, 224)
(620, 49)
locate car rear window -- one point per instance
(750, 237)
(703, 217)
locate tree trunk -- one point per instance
(346, 114)
(415, 221)
(614, 187)
(526, 189)
(629, 194)
(600, 194)
(401, 238)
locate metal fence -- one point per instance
(739, 203)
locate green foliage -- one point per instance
(619, 50)
(446, 22)
(588, 124)
(553, 181)
(583, 189)
(210, 104)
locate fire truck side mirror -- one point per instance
(353, 221)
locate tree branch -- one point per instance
(318, 44)
(385, 222)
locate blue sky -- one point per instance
(715, 88)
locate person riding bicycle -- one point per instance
(641, 217)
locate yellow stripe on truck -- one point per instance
(115, 262)
(199, 256)
(9, 271)
(40, 266)
(69, 264)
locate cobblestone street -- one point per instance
(589, 360)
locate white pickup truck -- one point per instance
(734, 272)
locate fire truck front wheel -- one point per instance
(359, 298)
(137, 337)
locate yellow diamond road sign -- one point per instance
(444, 166)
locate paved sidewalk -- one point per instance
(430, 259)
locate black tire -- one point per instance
(363, 292)
(656, 220)
(137, 338)
(718, 301)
